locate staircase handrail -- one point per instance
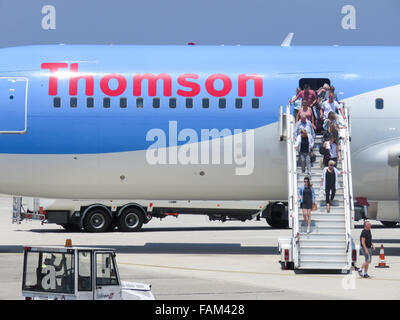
(292, 185)
(347, 182)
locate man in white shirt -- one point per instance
(332, 105)
(334, 152)
(304, 123)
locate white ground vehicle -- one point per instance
(76, 273)
(127, 215)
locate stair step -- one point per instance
(323, 231)
(316, 180)
(328, 230)
(315, 168)
(317, 163)
(301, 175)
(322, 210)
(323, 259)
(323, 265)
(323, 236)
(315, 216)
(342, 255)
(321, 250)
(339, 199)
(317, 224)
(333, 257)
(322, 243)
(317, 187)
(323, 215)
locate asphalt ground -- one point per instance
(190, 257)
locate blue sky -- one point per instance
(230, 22)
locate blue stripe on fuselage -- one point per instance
(99, 130)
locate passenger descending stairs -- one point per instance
(328, 245)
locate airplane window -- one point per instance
(106, 102)
(123, 102)
(255, 103)
(57, 102)
(172, 102)
(89, 102)
(238, 103)
(222, 103)
(73, 102)
(139, 103)
(156, 102)
(379, 103)
(206, 103)
(189, 103)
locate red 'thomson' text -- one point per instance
(187, 81)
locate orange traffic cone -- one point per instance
(382, 263)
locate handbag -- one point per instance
(313, 157)
(314, 207)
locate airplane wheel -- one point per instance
(97, 220)
(130, 220)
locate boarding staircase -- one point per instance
(329, 244)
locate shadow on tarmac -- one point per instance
(204, 248)
(177, 248)
(378, 227)
(172, 229)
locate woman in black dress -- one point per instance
(330, 183)
(307, 198)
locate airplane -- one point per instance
(186, 122)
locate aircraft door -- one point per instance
(13, 104)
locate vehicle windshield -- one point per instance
(51, 272)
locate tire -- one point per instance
(112, 226)
(277, 224)
(274, 215)
(97, 220)
(389, 224)
(130, 220)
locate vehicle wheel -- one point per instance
(113, 225)
(130, 220)
(275, 214)
(278, 224)
(389, 224)
(97, 220)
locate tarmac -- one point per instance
(190, 257)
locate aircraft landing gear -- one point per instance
(276, 215)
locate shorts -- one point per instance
(368, 257)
